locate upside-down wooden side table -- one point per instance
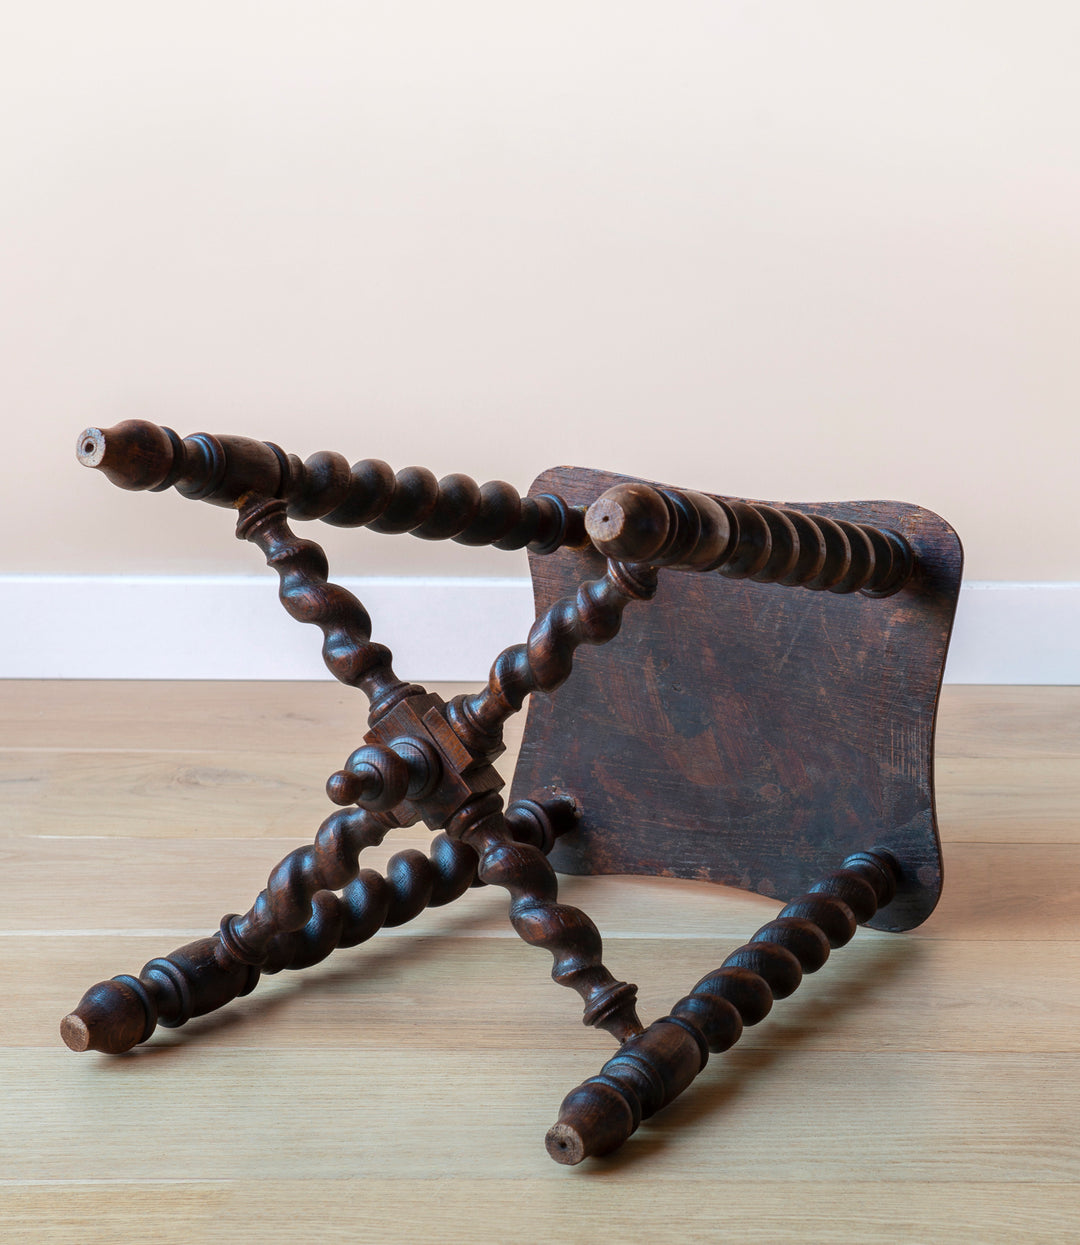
(765, 720)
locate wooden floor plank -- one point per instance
(151, 795)
(164, 794)
(1037, 723)
(920, 1088)
(581, 1208)
(271, 1114)
(1009, 800)
(185, 886)
(878, 993)
(975, 722)
(169, 716)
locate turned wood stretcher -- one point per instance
(765, 720)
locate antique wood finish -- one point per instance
(202, 976)
(222, 470)
(740, 731)
(654, 1068)
(419, 761)
(690, 531)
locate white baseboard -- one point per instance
(1016, 633)
(231, 627)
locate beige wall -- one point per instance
(790, 250)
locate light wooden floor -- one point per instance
(923, 1087)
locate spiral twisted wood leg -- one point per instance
(284, 905)
(301, 566)
(694, 532)
(540, 920)
(223, 470)
(653, 1068)
(544, 662)
(419, 760)
(113, 1016)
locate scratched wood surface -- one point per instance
(922, 1087)
(748, 733)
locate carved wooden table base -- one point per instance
(425, 760)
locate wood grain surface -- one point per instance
(922, 1087)
(746, 732)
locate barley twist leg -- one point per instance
(301, 566)
(746, 540)
(655, 1067)
(545, 661)
(113, 1016)
(222, 470)
(540, 920)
